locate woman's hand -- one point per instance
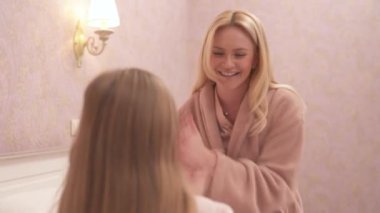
(197, 160)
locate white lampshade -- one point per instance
(103, 14)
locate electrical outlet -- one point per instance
(74, 124)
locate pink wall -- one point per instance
(40, 87)
(328, 50)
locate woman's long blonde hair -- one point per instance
(123, 159)
(261, 79)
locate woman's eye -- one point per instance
(240, 55)
(217, 53)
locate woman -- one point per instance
(241, 133)
(123, 159)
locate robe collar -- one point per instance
(208, 125)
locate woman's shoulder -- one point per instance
(187, 106)
(284, 98)
(206, 205)
(284, 93)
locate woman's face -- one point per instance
(232, 57)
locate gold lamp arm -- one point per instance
(92, 47)
(80, 42)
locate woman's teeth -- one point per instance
(228, 74)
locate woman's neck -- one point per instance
(230, 100)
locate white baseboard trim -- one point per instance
(30, 173)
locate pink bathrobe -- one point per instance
(253, 173)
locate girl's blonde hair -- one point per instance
(261, 79)
(123, 159)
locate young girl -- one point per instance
(123, 159)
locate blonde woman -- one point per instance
(123, 159)
(241, 132)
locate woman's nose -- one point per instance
(228, 62)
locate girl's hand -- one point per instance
(197, 160)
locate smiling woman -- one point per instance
(241, 133)
(233, 58)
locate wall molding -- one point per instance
(30, 172)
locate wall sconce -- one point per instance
(102, 16)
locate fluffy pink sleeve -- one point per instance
(268, 184)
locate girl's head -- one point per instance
(123, 159)
(129, 115)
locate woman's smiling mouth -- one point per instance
(228, 74)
